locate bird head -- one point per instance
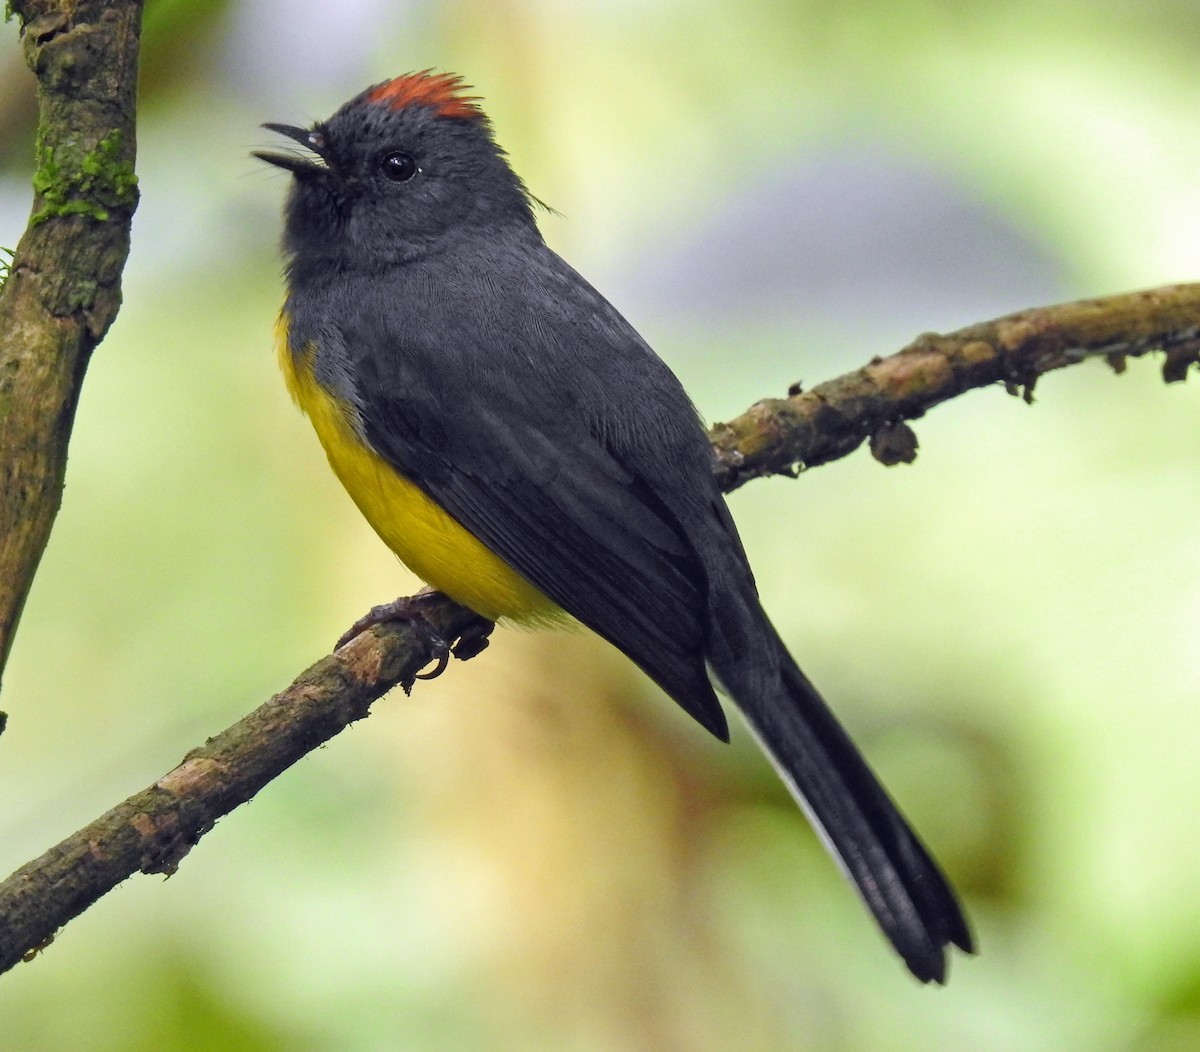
(396, 172)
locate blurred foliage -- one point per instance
(536, 851)
(177, 40)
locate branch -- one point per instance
(63, 286)
(781, 435)
(153, 830)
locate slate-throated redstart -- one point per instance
(519, 446)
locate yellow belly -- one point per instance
(426, 538)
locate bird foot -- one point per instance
(410, 609)
(474, 640)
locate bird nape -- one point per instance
(520, 447)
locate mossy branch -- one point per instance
(153, 830)
(61, 288)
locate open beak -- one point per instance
(313, 161)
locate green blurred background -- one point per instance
(537, 851)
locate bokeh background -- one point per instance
(537, 851)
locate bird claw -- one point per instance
(409, 610)
(442, 658)
(406, 608)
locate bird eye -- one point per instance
(398, 167)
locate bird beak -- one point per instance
(313, 162)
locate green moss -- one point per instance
(102, 181)
(6, 258)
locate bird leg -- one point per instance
(409, 609)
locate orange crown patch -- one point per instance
(441, 91)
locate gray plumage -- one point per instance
(492, 375)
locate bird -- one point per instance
(521, 448)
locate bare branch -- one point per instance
(780, 435)
(154, 829)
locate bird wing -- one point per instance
(483, 426)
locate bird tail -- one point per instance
(864, 831)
